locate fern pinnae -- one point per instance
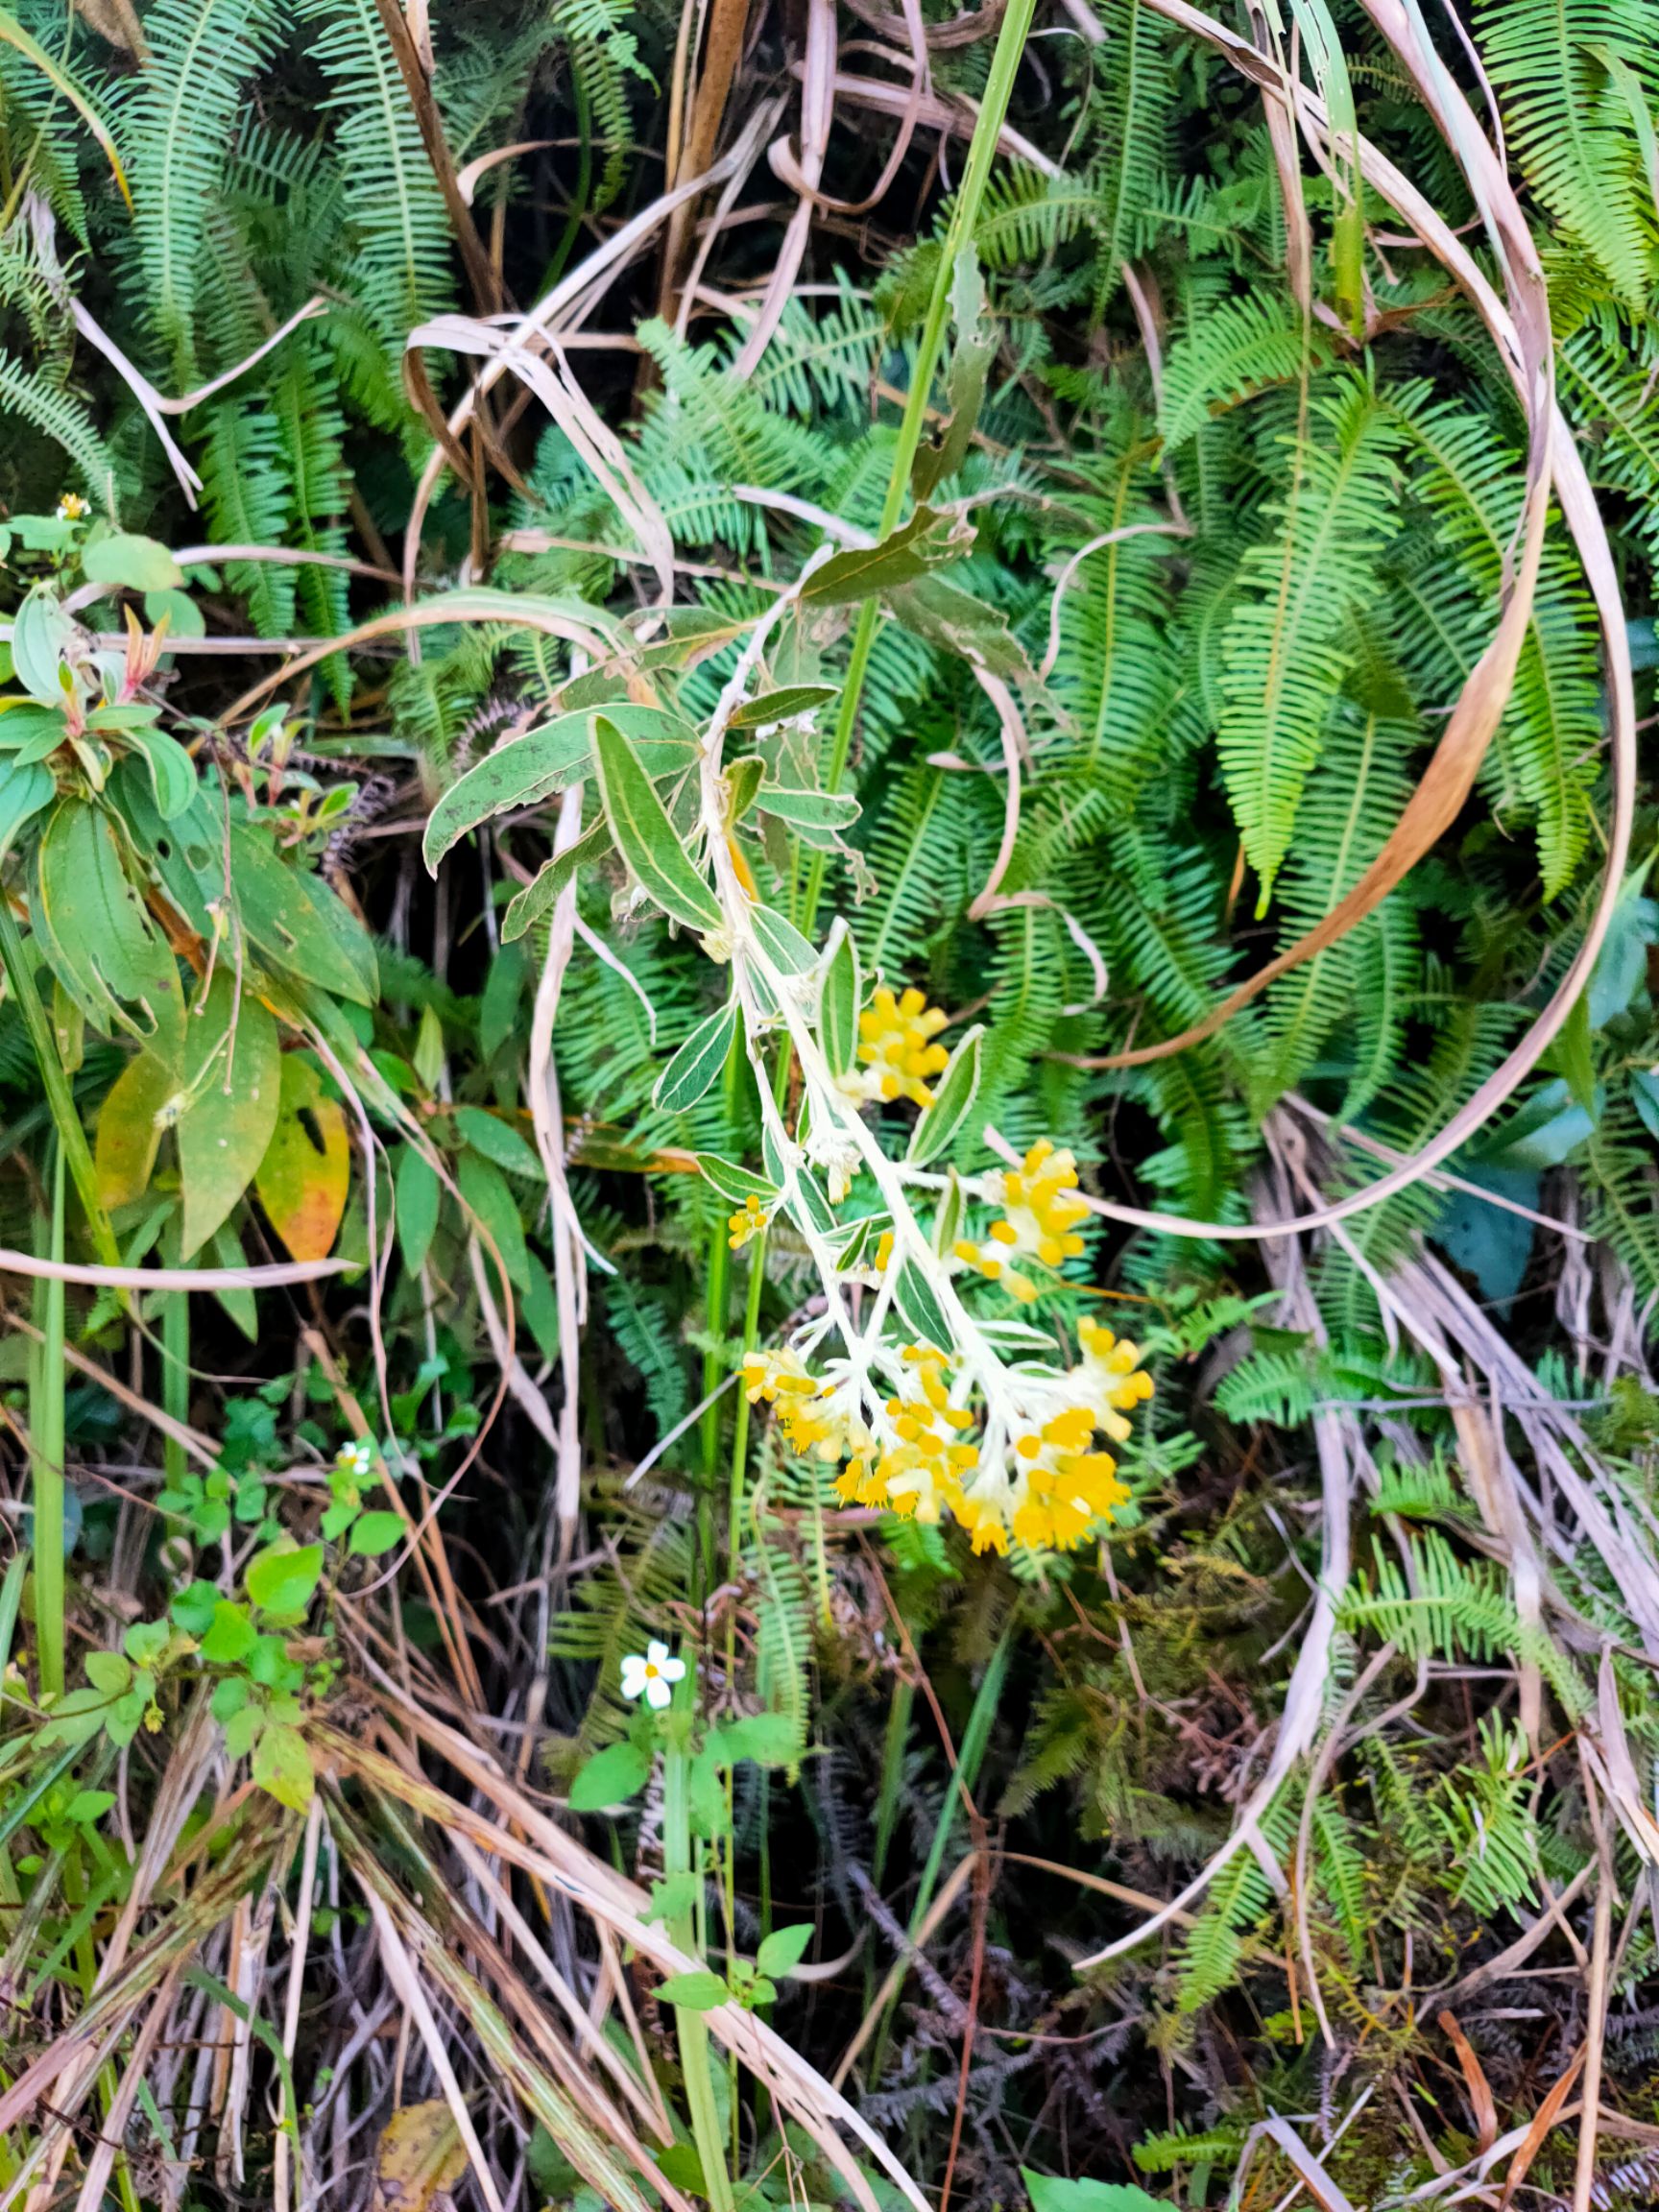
(178, 125)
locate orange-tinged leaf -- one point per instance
(303, 1179)
(421, 2156)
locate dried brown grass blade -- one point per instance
(1474, 2079)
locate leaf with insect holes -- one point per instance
(939, 1125)
(696, 1066)
(838, 1003)
(421, 2157)
(305, 1174)
(923, 543)
(698, 1991)
(644, 835)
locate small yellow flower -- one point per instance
(71, 508)
(748, 1223)
(1039, 1218)
(1113, 1377)
(896, 1043)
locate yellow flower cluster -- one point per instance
(1039, 1218)
(748, 1221)
(1114, 1375)
(1049, 1492)
(1061, 1486)
(896, 1043)
(921, 1468)
(820, 1419)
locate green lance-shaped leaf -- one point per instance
(782, 705)
(530, 768)
(93, 929)
(803, 809)
(610, 1777)
(527, 906)
(917, 1303)
(735, 1183)
(939, 1125)
(927, 541)
(782, 944)
(838, 1004)
(644, 835)
(696, 1066)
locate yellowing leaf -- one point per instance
(233, 1070)
(421, 2156)
(282, 1765)
(305, 1174)
(128, 1130)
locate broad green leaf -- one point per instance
(484, 1190)
(927, 541)
(282, 1766)
(839, 1003)
(129, 1130)
(298, 922)
(374, 1533)
(785, 1948)
(231, 1637)
(109, 1673)
(417, 1193)
(233, 1075)
(306, 1173)
(138, 564)
(498, 1140)
(529, 769)
(94, 931)
(24, 793)
(172, 771)
(503, 992)
(530, 904)
(1050, 2193)
(782, 705)
(610, 1777)
(939, 1125)
(696, 1066)
(769, 1738)
(698, 1991)
(281, 1578)
(41, 634)
(644, 835)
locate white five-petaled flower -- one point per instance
(654, 1674)
(355, 1458)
